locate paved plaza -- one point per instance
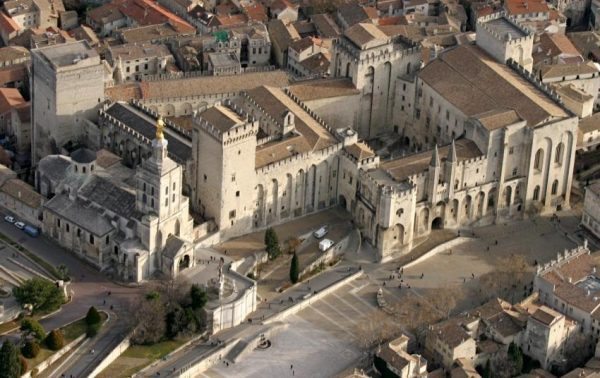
(320, 341)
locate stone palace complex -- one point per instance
(483, 139)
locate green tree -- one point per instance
(63, 272)
(515, 354)
(42, 294)
(55, 340)
(294, 269)
(198, 296)
(32, 327)
(272, 243)
(30, 349)
(93, 316)
(10, 366)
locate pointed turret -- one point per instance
(435, 158)
(452, 153)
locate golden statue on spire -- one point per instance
(160, 125)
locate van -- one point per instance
(32, 231)
(320, 232)
(325, 244)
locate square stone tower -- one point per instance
(67, 87)
(224, 148)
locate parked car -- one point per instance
(325, 244)
(20, 225)
(9, 219)
(321, 232)
(32, 231)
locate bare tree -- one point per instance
(375, 329)
(150, 314)
(445, 300)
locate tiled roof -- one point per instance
(80, 213)
(325, 26)
(10, 98)
(589, 124)
(316, 64)
(475, 83)
(108, 196)
(207, 85)
(221, 117)
(352, 13)
(402, 168)
(323, 88)
(516, 7)
(572, 92)
(22, 192)
(11, 53)
(546, 315)
(561, 70)
(366, 35)
(7, 24)
(360, 151)
(498, 118)
(313, 136)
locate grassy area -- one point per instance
(154, 351)
(137, 357)
(40, 261)
(78, 328)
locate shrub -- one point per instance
(93, 316)
(92, 329)
(272, 243)
(55, 340)
(31, 349)
(294, 269)
(33, 327)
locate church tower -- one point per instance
(159, 198)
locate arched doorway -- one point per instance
(184, 263)
(342, 201)
(437, 223)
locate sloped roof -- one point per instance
(475, 83)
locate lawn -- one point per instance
(155, 351)
(137, 357)
(78, 328)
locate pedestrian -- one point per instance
(383, 283)
(293, 372)
(292, 367)
(111, 307)
(408, 286)
(104, 302)
(464, 279)
(488, 248)
(496, 242)
(109, 293)
(472, 275)
(422, 275)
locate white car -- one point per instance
(9, 219)
(20, 225)
(325, 244)
(320, 232)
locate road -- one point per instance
(89, 288)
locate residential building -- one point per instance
(132, 61)
(394, 358)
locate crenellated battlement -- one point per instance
(326, 152)
(247, 129)
(564, 258)
(482, 23)
(544, 88)
(383, 55)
